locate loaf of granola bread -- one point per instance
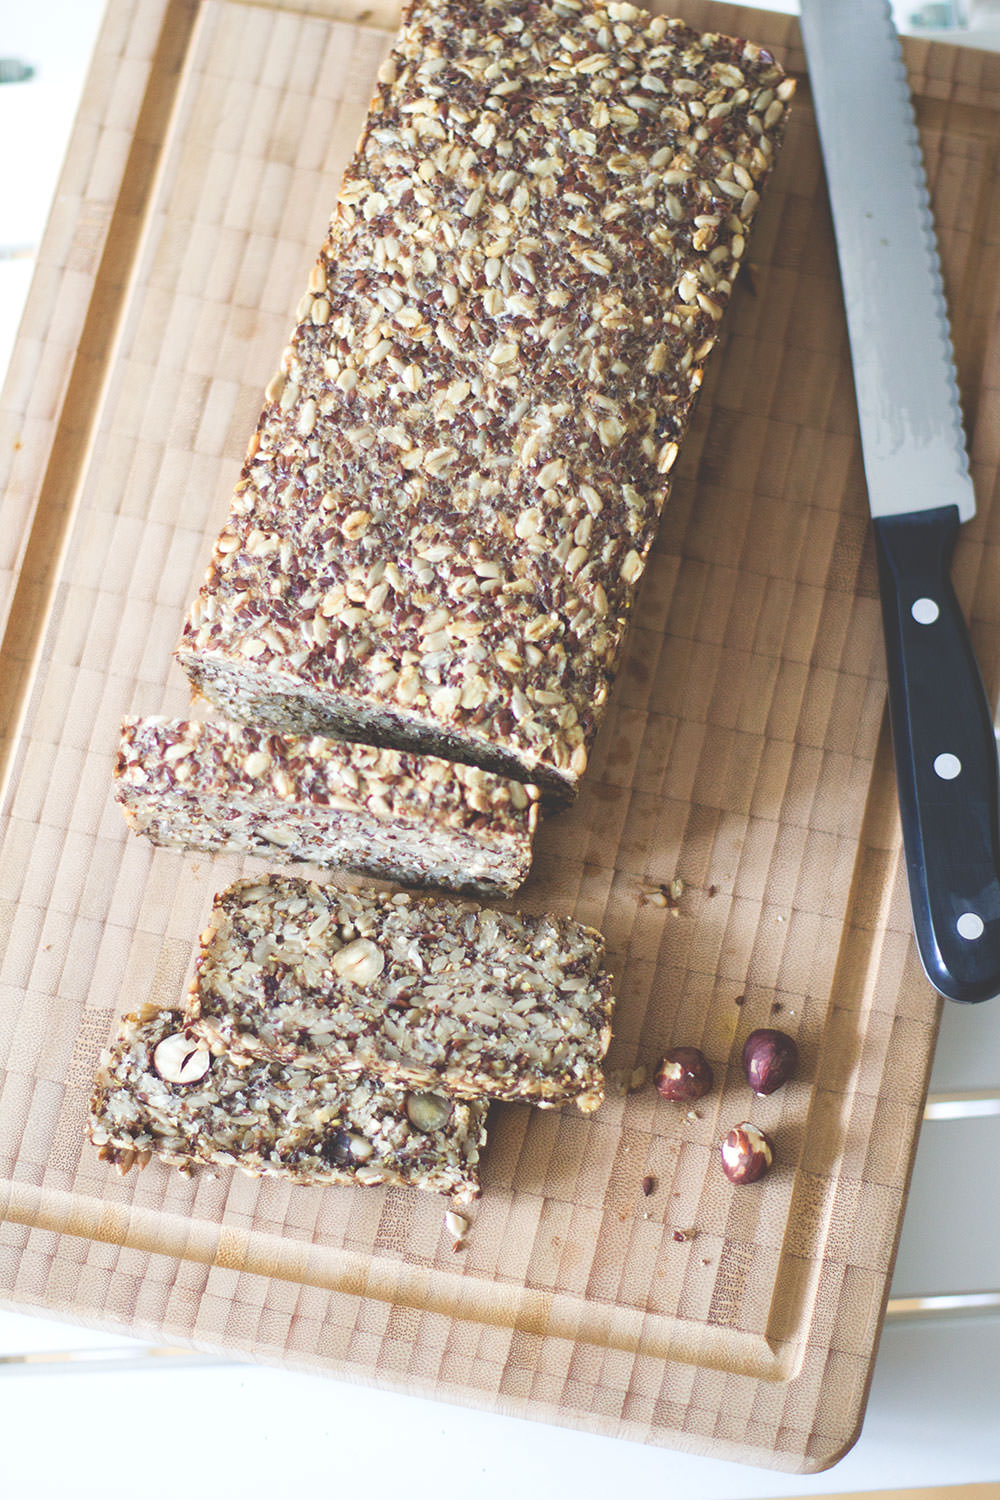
(448, 503)
(160, 1092)
(425, 993)
(405, 817)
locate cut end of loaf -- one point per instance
(281, 701)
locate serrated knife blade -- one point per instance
(919, 486)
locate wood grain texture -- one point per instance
(745, 752)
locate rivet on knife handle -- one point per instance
(946, 761)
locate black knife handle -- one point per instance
(946, 757)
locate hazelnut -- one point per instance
(346, 1148)
(428, 1112)
(181, 1059)
(770, 1059)
(683, 1075)
(747, 1153)
(359, 962)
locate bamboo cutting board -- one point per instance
(745, 753)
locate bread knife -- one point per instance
(919, 487)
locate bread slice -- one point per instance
(424, 993)
(159, 1092)
(399, 816)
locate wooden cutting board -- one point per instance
(745, 754)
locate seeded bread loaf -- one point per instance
(412, 818)
(425, 993)
(159, 1092)
(456, 478)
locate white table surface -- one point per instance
(83, 1410)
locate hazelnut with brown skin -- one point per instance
(747, 1153)
(683, 1075)
(769, 1058)
(346, 1148)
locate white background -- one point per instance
(116, 1418)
